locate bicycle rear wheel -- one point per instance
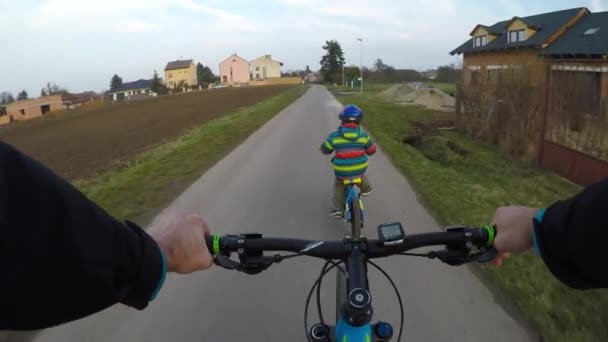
(355, 218)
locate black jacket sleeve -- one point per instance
(573, 238)
(61, 256)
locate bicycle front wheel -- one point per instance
(340, 293)
(355, 218)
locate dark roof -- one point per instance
(487, 28)
(139, 84)
(178, 64)
(546, 25)
(526, 21)
(575, 42)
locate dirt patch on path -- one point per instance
(80, 144)
(432, 98)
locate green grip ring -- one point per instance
(491, 234)
(216, 244)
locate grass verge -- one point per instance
(462, 180)
(446, 87)
(157, 176)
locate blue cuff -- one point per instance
(162, 277)
(539, 218)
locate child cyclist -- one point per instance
(351, 146)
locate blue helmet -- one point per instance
(351, 113)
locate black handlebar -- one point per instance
(462, 244)
(455, 238)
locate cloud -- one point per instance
(598, 5)
(54, 11)
(352, 12)
(118, 14)
(406, 34)
(141, 26)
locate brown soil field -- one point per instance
(81, 143)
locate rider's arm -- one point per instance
(572, 237)
(370, 147)
(327, 147)
(61, 256)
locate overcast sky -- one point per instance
(80, 44)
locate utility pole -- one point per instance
(361, 63)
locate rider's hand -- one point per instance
(513, 230)
(181, 236)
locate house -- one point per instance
(515, 43)
(314, 77)
(181, 73)
(429, 74)
(264, 67)
(129, 90)
(33, 108)
(583, 51)
(573, 40)
(234, 70)
(559, 100)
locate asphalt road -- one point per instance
(279, 184)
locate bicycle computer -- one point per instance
(391, 233)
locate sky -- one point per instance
(80, 44)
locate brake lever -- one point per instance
(450, 257)
(456, 257)
(255, 265)
(227, 263)
(251, 265)
(485, 256)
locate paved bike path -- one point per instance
(279, 184)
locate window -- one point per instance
(480, 41)
(22, 111)
(170, 75)
(257, 68)
(591, 31)
(518, 35)
(474, 76)
(45, 109)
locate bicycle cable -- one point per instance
(424, 255)
(325, 270)
(319, 309)
(402, 319)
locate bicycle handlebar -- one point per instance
(454, 238)
(462, 244)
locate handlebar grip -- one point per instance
(213, 243)
(491, 231)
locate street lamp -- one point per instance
(361, 63)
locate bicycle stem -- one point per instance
(357, 310)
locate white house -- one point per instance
(264, 68)
(128, 90)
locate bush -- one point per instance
(503, 108)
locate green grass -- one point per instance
(369, 89)
(157, 176)
(443, 86)
(467, 189)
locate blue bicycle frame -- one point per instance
(357, 280)
(349, 333)
(352, 194)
